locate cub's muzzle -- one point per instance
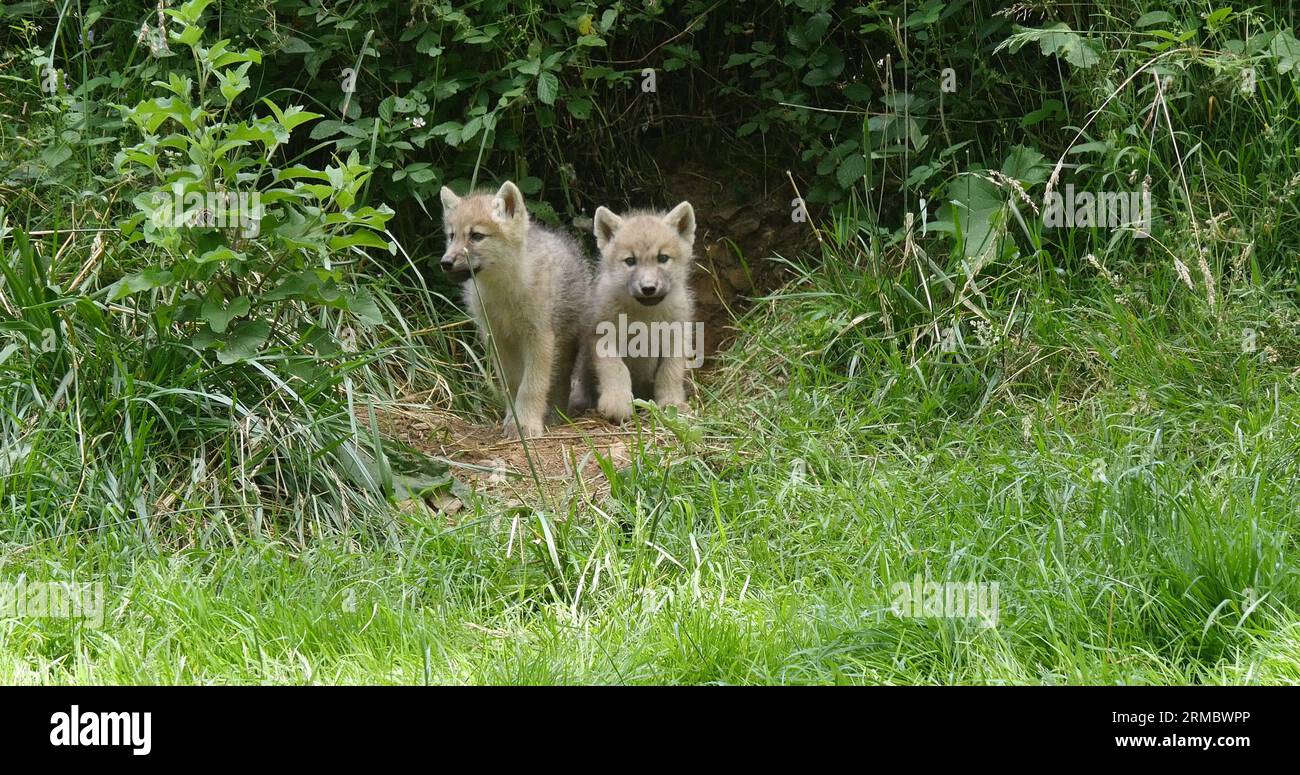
(648, 293)
(457, 268)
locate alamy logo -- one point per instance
(96, 729)
(1104, 209)
(946, 600)
(212, 209)
(52, 600)
(658, 339)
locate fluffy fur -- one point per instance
(644, 273)
(527, 288)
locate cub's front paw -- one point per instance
(512, 430)
(579, 402)
(673, 395)
(679, 404)
(615, 407)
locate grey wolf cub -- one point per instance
(642, 282)
(527, 288)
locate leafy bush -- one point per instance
(224, 327)
(240, 241)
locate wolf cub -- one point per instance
(527, 288)
(643, 277)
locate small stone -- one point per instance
(738, 278)
(716, 252)
(413, 506)
(448, 504)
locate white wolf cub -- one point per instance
(527, 288)
(643, 277)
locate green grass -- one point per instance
(719, 565)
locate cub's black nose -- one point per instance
(648, 290)
(454, 273)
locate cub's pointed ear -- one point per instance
(605, 225)
(449, 199)
(509, 203)
(682, 219)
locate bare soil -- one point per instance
(564, 462)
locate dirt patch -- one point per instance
(565, 463)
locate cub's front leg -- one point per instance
(529, 412)
(670, 382)
(615, 386)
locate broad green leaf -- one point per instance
(1153, 17)
(1060, 40)
(975, 205)
(363, 305)
(1025, 165)
(548, 88)
(1286, 50)
(363, 238)
(244, 341)
(221, 253)
(292, 45)
(218, 314)
(148, 279)
(851, 170)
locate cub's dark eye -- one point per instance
(663, 259)
(630, 260)
(477, 236)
